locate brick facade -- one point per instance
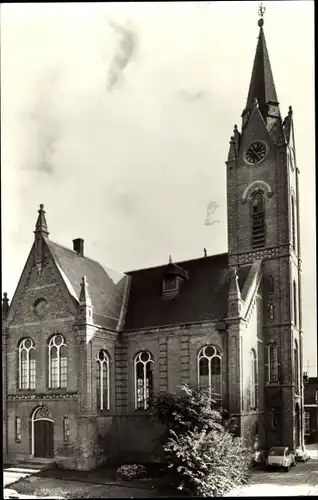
(254, 289)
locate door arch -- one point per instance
(42, 433)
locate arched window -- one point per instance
(296, 367)
(209, 369)
(27, 367)
(258, 221)
(253, 387)
(293, 223)
(143, 380)
(272, 356)
(295, 302)
(57, 363)
(103, 400)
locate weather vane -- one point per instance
(261, 10)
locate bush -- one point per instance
(205, 457)
(129, 472)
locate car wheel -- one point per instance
(286, 469)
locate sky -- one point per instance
(118, 116)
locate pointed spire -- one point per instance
(41, 225)
(234, 290)
(5, 305)
(170, 259)
(84, 298)
(262, 84)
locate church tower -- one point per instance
(263, 223)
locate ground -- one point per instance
(300, 480)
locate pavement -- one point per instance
(301, 480)
(13, 474)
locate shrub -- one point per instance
(208, 463)
(129, 472)
(205, 457)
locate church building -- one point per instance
(84, 347)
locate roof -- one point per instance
(310, 389)
(106, 287)
(203, 297)
(262, 82)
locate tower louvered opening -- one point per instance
(258, 221)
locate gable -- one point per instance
(40, 283)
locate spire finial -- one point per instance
(170, 259)
(261, 12)
(41, 225)
(5, 305)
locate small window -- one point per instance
(271, 312)
(295, 302)
(253, 386)
(293, 223)
(272, 354)
(296, 367)
(169, 284)
(275, 418)
(307, 423)
(18, 429)
(66, 429)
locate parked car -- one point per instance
(280, 456)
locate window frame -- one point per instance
(102, 365)
(66, 430)
(30, 372)
(307, 423)
(296, 367)
(254, 380)
(202, 355)
(295, 303)
(272, 362)
(18, 436)
(146, 399)
(293, 223)
(51, 345)
(258, 222)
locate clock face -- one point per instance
(255, 152)
(41, 307)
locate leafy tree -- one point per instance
(205, 457)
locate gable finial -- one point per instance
(261, 12)
(41, 224)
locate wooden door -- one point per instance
(43, 439)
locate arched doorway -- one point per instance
(297, 426)
(42, 433)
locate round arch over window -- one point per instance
(209, 369)
(102, 379)
(57, 362)
(27, 364)
(143, 370)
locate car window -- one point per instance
(277, 452)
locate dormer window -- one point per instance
(173, 278)
(169, 284)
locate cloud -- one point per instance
(125, 50)
(193, 95)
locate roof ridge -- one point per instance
(208, 257)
